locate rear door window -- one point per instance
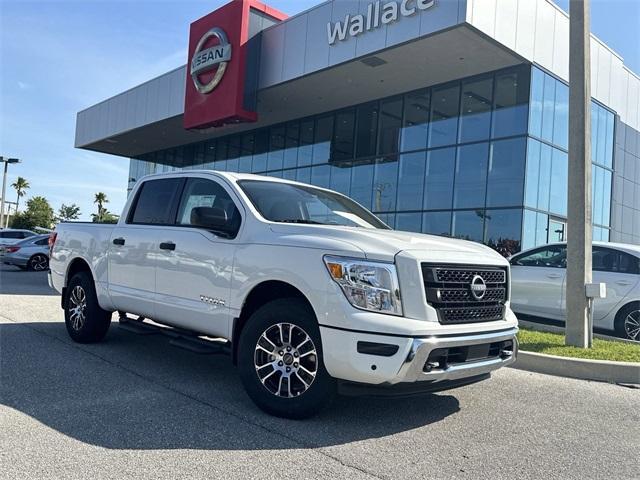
(157, 202)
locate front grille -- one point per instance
(449, 291)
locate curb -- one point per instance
(584, 369)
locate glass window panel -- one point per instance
(511, 103)
(322, 139)
(305, 150)
(471, 176)
(320, 175)
(542, 228)
(438, 187)
(415, 123)
(232, 164)
(475, 119)
(261, 151)
(367, 128)
(303, 175)
(409, 222)
(544, 182)
(503, 230)
(601, 140)
(343, 140)
(561, 120)
(244, 164)
(390, 125)
(608, 160)
(529, 230)
(289, 174)
(385, 184)
(606, 195)
(559, 179)
(506, 173)
(594, 131)
(535, 104)
(411, 181)
(443, 128)
(361, 184)
(291, 145)
(340, 179)
(469, 225)
(597, 183)
(437, 223)
(234, 146)
(388, 218)
(548, 107)
(533, 174)
(276, 148)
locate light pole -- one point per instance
(6, 162)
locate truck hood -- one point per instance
(386, 244)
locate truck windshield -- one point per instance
(290, 203)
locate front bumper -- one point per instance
(435, 358)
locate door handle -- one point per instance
(118, 241)
(553, 275)
(167, 246)
(623, 282)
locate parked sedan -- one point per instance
(11, 236)
(31, 253)
(538, 286)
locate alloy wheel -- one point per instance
(632, 325)
(77, 307)
(39, 263)
(286, 360)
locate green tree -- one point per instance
(100, 199)
(107, 217)
(68, 212)
(38, 214)
(20, 185)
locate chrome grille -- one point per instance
(448, 290)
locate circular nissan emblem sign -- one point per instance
(478, 287)
(207, 59)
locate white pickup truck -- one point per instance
(310, 293)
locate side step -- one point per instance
(184, 339)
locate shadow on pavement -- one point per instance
(137, 392)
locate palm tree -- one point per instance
(21, 185)
(101, 199)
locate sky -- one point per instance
(60, 57)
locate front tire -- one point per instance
(86, 322)
(280, 360)
(628, 321)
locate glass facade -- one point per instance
(483, 158)
(546, 175)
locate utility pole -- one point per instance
(579, 224)
(6, 162)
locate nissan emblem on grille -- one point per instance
(478, 287)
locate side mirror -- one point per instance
(213, 218)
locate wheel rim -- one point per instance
(39, 263)
(286, 360)
(77, 307)
(632, 325)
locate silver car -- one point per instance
(538, 287)
(31, 253)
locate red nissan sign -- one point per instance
(217, 64)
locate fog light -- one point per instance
(430, 366)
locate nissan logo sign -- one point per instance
(478, 287)
(207, 59)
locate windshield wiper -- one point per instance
(301, 220)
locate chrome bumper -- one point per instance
(413, 369)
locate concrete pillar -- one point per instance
(579, 231)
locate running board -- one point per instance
(180, 338)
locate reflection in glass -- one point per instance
(437, 223)
(415, 123)
(361, 184)
(385, 184)
(306, 143)
(341, 178)
(548, 106)
(291, 145)
(443, 127)
(410, 181)
(561, 120)
(438, 188)
(533, 173)
(471, 176)
(367, 122)
(320, 176)
(506, 173)
(559, 181)
(276, 148)
(544, 181)
(469, 225)
(535, 104)
(409, 222)
(477, 97)
(261, 151)
(510, 103)
(390, 124)
(503, 230)
(322, 139)
(343, 135)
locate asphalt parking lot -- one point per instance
(134, 406)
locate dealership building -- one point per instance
(441, 116)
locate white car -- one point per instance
(308, 291)
(538, 279)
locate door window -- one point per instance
(608, 260)
(554, 256)
(44, 241)
(156, 202)
(200, 192)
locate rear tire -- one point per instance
(627, 323)
(280, 360)
(86, 322)
(38, 263)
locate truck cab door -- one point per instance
(133, 249)
(195, 260)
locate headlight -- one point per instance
(367, 285)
